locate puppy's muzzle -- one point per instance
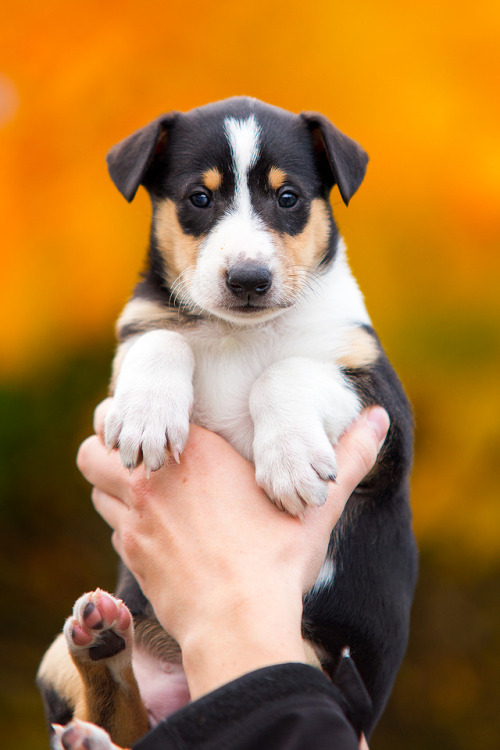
(249, 281)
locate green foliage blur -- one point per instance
(53, 547)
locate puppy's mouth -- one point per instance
(251, 311)
(255, 305)
(249, 308)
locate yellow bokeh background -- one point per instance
(417, 84)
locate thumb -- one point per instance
(358, 448)
(357, 452)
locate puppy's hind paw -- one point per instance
(100, 628)
(80, 735)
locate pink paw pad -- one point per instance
(100, 622)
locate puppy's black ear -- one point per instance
(129, 161)
(345, 159)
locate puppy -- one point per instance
(247, 320)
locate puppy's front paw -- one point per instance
(152, 400)
(294, 469)
(145, 420)
(80, 735)
(99, 628)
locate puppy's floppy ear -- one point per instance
(129, 161)
(345, 158)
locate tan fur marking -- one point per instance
(142, 316)
(361, 349)
(179, 250)
(212, 179)
(303, 252)
(96, 695)
(142, 311)
(308, 247)
(114, 705)
(58, 670)
(276, 177)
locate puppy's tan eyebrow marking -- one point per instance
(276, 177)
(212, 178)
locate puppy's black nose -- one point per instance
(248, 279)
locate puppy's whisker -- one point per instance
(179, 283)
(180, 293)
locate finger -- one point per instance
(117, 543)
(110, 508)
(101, 469)
(99, 416)
(357, 452)
(358, 449)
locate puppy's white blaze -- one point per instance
(244, 139)
(240, 234)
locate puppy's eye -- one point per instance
(200, 200)
(287, 199)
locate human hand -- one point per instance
(213, 554)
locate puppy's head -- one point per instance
(241, 217)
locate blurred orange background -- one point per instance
(417, 84)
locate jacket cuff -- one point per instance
(232, 704)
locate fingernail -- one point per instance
(379, 419)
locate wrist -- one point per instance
(230, 641)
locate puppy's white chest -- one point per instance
(225, 372)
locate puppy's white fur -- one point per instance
(80, 734)
(274, 391)
(243, 137)
(153, 399)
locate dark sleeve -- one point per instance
(284, 707)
